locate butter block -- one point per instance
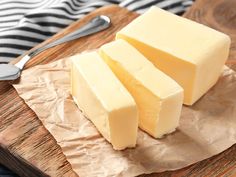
(104, 100)
(190, 53)
(158, 97)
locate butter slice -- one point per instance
(158, 97)
(190, 53)
(104, 100)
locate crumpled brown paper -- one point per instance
(207, 128)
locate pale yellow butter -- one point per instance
(159, 98)
(104, 100)
(191, 53)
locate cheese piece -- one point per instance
(104, 100)
(190, 53)
(158, 97)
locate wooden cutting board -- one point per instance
(28, 148)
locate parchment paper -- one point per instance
(206, 129)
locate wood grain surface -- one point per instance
(27, 147)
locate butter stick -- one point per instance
(158, 97)
(104, 100)
(190, 53)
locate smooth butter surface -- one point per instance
(104, 100)
(190, 53)
(158, 97)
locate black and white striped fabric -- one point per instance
(25, 23)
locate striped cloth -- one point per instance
(25, 23)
